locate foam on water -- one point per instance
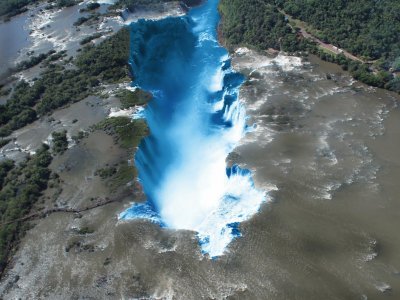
(195, 120)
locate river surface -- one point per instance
(286, 177)
(302, 168)
(13, 38)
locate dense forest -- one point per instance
(256, 24)
(367, 28)
(58, 86)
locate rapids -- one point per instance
(196, 120)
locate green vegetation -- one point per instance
(117, 176)
(124, 175)
(90, 38)
(137, 97)
(91, 6)
(4, 142)
(128, 133)
(81, 134)
(257, 24)
(358, 70)
(5, 167)
(60, 142)
(14, 7)
(107, 61)
(106, 172)
(65, 3)
(132, 4)
(85, 230)
(57, 86)
(21, 188)
(4, 91)
(367, 28)
(33, 61)
(82, 20)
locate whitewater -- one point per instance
(196, 119)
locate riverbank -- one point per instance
(328, 145)
(96, 168)
(299, 133)
(271, 26)
(323, 141)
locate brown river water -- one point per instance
(329, 231)
(331, 147)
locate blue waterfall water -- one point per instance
(196, 120)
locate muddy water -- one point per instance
(13, 38)
(331, 147)
(330, 231)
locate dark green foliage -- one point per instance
(65, 3)
(367, 28)
(359, 71)
(57, 56)
(122, 177)
(81, 134)
(34, 60)
(60, 142)
(106, 172)
(128, 133)
(4, 91)
(108, 59)
(133, 4)
(14, 7)
(394, 85)
(258, 24)
(4, 142)
(17, 112)
(129, 99)
(118, 175)
(21, 188)
(57, 86)
(85, 230)
(62, 87)
(82, 20)
(91, 6)
(90, 38)
(5, 167)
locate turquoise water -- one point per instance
(196, 120)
